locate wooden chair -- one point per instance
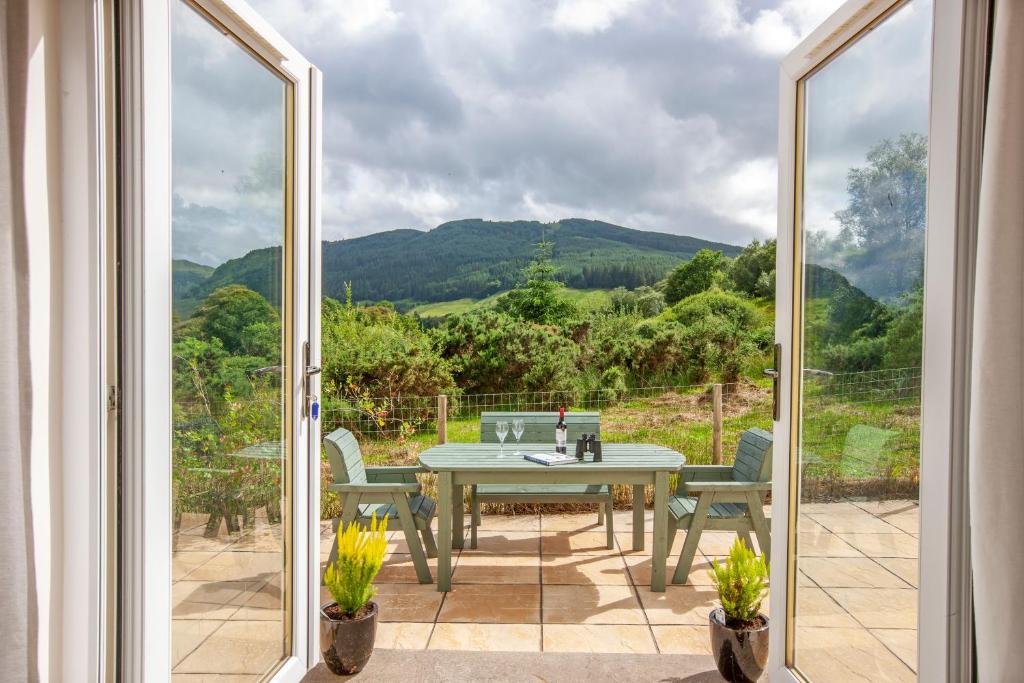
(391, 492)
(540, 428)
(723, 498)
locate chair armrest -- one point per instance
(706, 473)
(377, 487)
(728, 486)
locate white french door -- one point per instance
(221, 305)
(875, 136)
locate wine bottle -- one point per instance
(560, 432)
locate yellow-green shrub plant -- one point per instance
(360, 556)
(742, 583)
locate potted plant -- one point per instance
(739, 632)
(348, 625)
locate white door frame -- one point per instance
(146, 161)
(957, 81)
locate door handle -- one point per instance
(312, 407)
(774, 373)
(313, 370)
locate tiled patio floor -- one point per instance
(547, 583)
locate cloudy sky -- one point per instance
(653, 114)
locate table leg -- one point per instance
(660, 549)
(639, 498)
(458, 518)
(444, 531)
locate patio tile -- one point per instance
(269, 595)
(849, 572)
(624, 520)
(497, 569)
(188, 542)
(806, 523)
(902, 641)
(879, 607)
(188, 634)
(523, 522)
(591, 605)
(847, 654)
(587, 570)
(246, 613)
(203, 610)
(640, 570)
(246, 647)
(603, 638)
(492, 604)
(888, 507)
(576, 543)
(624, 539)
(683, 640)
(678, 604)
(400, 569)
(854, 523)
(824, 545)
(584, 521)
(903, 567)
(908, 522)
(716, 543)
(240, 565)
(407, 601)
(185, 561)
(505, 542)
(215, 678)
(486, 637)
(212, 592)
(883, 545)
(817, 609)
(403, 635)
(828, 508)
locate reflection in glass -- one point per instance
(229, 224)
(863, 222)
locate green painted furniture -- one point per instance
(540, 428)
(723, 498)
(460, 464)
(391, 492)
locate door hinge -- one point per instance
(113, 398)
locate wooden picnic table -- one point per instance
(463, 464)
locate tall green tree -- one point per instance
(244, 322)
(541, 298)
(694, 276)
(753, 270)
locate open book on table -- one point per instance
(550, 458)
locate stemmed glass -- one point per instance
(518, 427)
(501, 429)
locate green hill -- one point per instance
(187, 276)
(473, 259)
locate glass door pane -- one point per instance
(231, 183)
(862, 225)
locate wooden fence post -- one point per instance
(716, 424)
(442, 419)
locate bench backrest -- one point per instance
(345, 458)
(753, 457)
(540, 427)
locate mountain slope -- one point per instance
(474, 259)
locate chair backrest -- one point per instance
(540, 427)
(345, 458)
(753, 457)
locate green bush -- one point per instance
(742, 583)
(719, 303)
(697, 275)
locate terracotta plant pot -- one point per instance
(346, 645)
(741, 655)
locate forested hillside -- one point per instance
(471, 259)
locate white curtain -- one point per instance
(18, 659)
(997, 393)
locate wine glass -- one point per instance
(518, 427)
(501, 429)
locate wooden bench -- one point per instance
(539, 428)
(392, 492)
(723, 498)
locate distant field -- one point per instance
(588, 299)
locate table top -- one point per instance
(463, 457)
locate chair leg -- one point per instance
(428, 541)
(693, 533)
(760, 524)
(744, 536)
(333, 556)
(412, 539)
(474, 519)
(609, 521)
(600, 514)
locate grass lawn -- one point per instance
(587, 299)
